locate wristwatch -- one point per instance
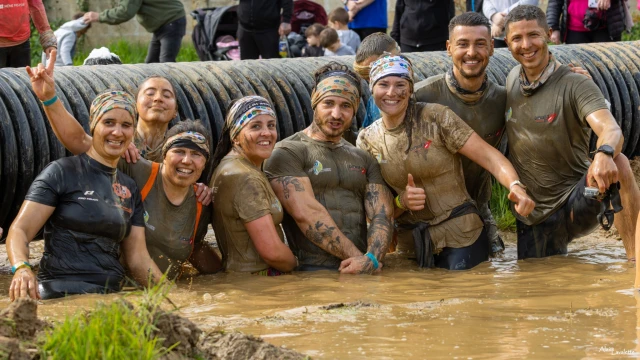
(517, 182)
(605, 149)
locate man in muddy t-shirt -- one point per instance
(479, 102)
(548, 123)
(328, 187)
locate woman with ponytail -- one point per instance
(418, 146)
(246, 212)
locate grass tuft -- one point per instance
(111, 331)
(499, 205)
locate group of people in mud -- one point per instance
(421, 170)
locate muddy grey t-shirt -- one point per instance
(549, 136)
(241, 194)
(436, 137)
(339, 174)
(168, 227)
(485, 117)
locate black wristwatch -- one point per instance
(605, 149)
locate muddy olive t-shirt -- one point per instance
(339, 175)
(549, 136)
(147, 152)
(485, 117)
(241, 194)
(437, 135)
(168, 227)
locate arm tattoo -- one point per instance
(378, 203)
(285, 181)
(322, 235)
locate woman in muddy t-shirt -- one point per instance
(91, 212)
(417, 146)
(175, 220)
(246, 212)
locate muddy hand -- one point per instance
(579, 70)
(358, 265)
(602, 173)
(524, 205)
(24, 284)
(413, 197)
(204, 194)
(132, 154)
(555, 37)
(42, 78)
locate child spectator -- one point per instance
(67, 35)
(330, 41)
(313, 47)
(338, 20)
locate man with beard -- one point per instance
(549, 113)
(329, 187)
(466, 89)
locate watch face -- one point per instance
(606, 149)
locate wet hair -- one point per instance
(339, 15)
(334, 67)
(314, 30)
(225, 144)
(526, 12)
(155, 76)
(375, 45)
(469, 19)
(328, 37)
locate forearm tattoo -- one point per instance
(378, 203)
(285, 181)
(322, 235)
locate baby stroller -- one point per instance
(306, 13)
(214, 33)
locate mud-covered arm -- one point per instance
(64, 125)
(313, 219)
(142, 267)
(379, 207)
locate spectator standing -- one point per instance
(260, 26)
(579, 21)
(15, 30)
(313, 48)
(164, 18)
(330, 41)
(338, 20)
(496, 11)
(67, 36)
(367, 16)
(422, 25)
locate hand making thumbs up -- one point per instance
(413, 197)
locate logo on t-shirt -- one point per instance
(318, 168)
(357, 168)
(380, 159)
(546, 118)
(123, 193)
(146, 221)
(508, 114)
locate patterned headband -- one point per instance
(336, 85)
(188, 139)
(109, 100)
(246, 109)
(390, 65)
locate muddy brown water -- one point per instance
(576, 306)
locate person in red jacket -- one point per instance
(15, 31)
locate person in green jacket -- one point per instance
(164, 18)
